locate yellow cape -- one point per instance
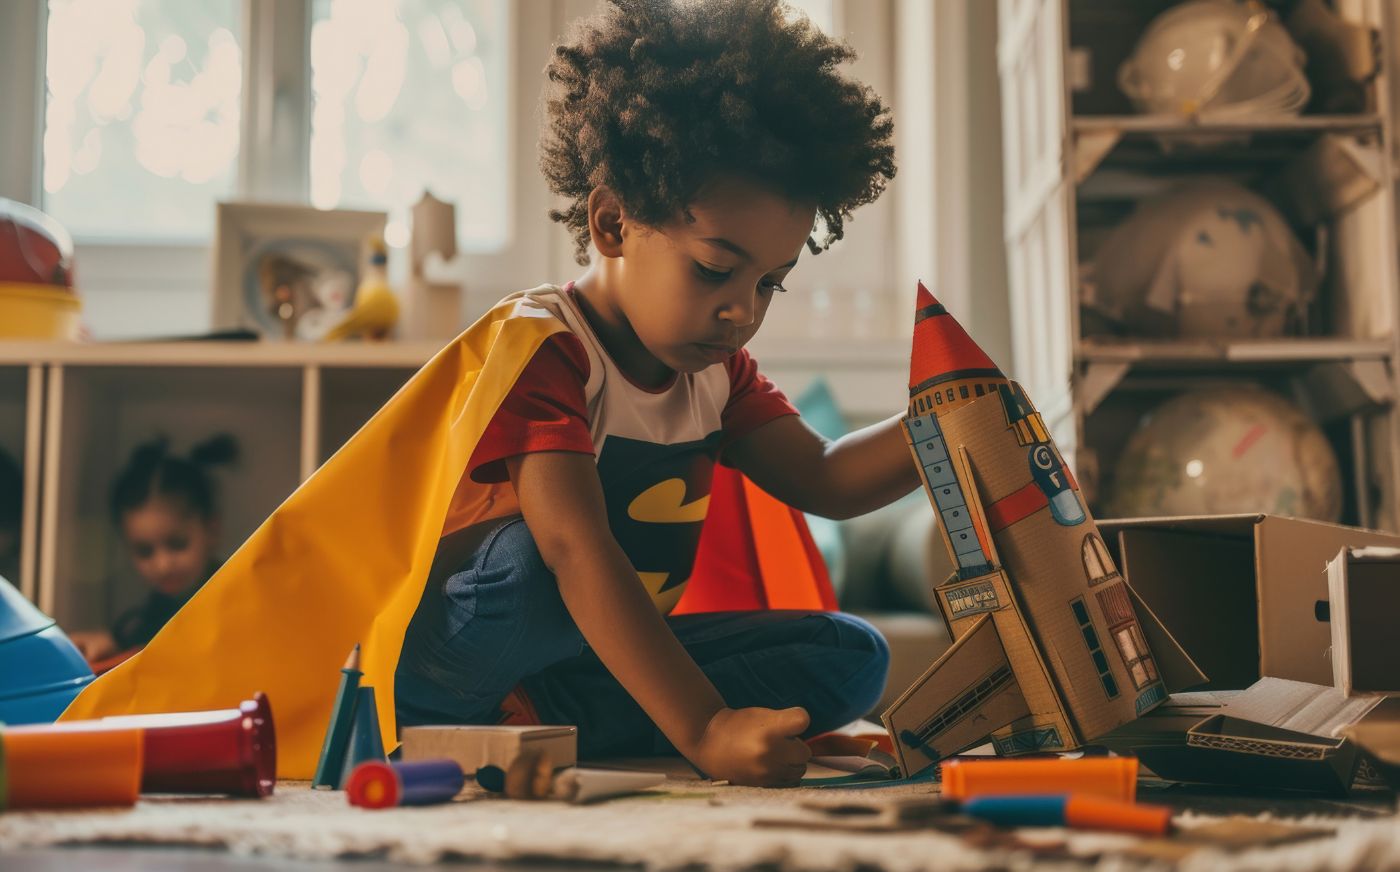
(344, 560)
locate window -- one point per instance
(261, 90)
(407, 97)
(1135, 655)
(142, 116)
(1091, 640)
(1098, 565)
(145, 102)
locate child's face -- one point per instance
(169, 546)
(696, 291)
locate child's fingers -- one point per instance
(789, 753)
(790, 721)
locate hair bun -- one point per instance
(216, 450)
(149, 454)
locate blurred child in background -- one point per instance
(165, 507)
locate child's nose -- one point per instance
(739, 308)
(162, 563)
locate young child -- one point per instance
(166, 510)
(696, 143)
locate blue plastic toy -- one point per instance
(40, 670)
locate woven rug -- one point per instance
(685, 823)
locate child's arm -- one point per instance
(857, 473)
(562, 502)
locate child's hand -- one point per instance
(757, 747)
(94, 644)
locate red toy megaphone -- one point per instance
(231, 751)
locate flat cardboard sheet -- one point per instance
(1299, 707)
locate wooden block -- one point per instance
(476, 746)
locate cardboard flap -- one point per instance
(1179, 672)
(1292, 557)
(1363, 589)
(1299, 707)
(966, 694)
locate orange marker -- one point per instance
(1108, 777)
(71, 769)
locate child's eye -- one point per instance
(775, 286)
(712, 275)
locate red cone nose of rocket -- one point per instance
(942, 348)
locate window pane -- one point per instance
(141, 119)
(412, 95)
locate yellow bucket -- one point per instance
(30, 311)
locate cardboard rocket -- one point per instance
(1051, 647)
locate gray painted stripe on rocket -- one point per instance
(956, 518)
(931, 449)
(940, 474)
(965, 543)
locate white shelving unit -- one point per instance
(71, 415)
(1077, 159)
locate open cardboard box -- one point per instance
(1247, 598)
(1245, 595)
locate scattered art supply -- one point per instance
(531, 776)
(419, 782)
(229, 751)
(70, 768)
(1109, 777)
(476, 746)
(332, 762)
(591, 785)
(1078, 812)
(366, 742)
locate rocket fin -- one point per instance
(966, 694)
(1178, 671)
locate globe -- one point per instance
(1221, 451)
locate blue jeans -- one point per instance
(500, 622)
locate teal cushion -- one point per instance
(818, 408)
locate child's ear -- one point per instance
(605, 221)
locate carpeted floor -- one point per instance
(686, 823)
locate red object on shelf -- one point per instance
(228, 751)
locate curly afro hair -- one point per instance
(652, 98)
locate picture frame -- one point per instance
(287, 272)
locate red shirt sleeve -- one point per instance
(546, 410)
(753, 399)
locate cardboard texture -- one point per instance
(1036, 591)
(1278, 734)
(476, 746)
(1363, 587)
(1378, 736)
(1242, 593)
